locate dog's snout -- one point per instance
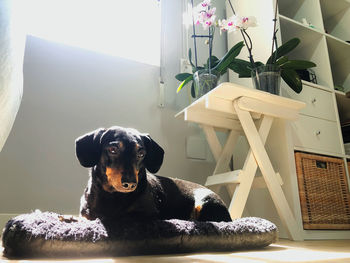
(129, 186)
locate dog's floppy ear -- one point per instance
(154, 154)
(87, 148)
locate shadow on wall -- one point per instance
(67, 92)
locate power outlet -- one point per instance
(196, 148)
(185, 66)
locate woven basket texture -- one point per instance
(323, 191)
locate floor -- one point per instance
(283, 251)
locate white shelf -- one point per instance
(336, 17)
(293, 21)
(300, 9)
(320, 152)
(341, 41)
(339, 93)
(343, 106)
(315, 85)
(312, 47)
(332, 8)
(339, 56)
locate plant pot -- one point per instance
(267, 78)
(204, 81)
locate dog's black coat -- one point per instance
(120, 188)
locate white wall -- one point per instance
(69, 91)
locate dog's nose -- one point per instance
(129, 186)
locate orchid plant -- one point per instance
(204, 15)
(278, 54)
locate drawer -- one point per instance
(316, 134)
(319, 103)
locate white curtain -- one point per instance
(12, 42)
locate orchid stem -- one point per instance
(274, 38)
(194, 39)
(245, 36)
(233, 10)
(249, 46)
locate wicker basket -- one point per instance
(323, 191)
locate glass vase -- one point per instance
(204, 81)
(267, 78)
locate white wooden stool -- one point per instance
(236, 109)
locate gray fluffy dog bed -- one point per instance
(47, 234)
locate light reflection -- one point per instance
(128, 29)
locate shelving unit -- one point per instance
(339, 56)
(323, 41)
(343, 106)
(336, 18)
(297, 10)
(312, 45)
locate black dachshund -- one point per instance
(120, 188)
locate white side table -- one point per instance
(250, 112)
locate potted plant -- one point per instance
(213, 69)
(266, 76)
(204, 78)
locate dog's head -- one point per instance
(120, 154)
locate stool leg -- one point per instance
(221, 155)
(213, 141)
(223, 163)
(241, 193)
(261, 157)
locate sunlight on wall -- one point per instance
(128, 29)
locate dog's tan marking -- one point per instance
(67, 218)
(136, 172)
(197, 211)
(114, 179)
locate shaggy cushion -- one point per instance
(47, 234)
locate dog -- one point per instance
(120, 188)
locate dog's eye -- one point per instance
(141, 154)
(113, 149)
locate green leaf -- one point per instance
(243, 67)
(257, 64)
(182, 76)
(298, 64)
(190, 58)
(229, 57)
(284, 49)
(184, 83)
(281, 61)
(292, 79)
(193, 91)
(196, 69)
(214, 61)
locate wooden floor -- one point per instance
(284, 251)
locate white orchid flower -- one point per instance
(235, 23)
(249, 21)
